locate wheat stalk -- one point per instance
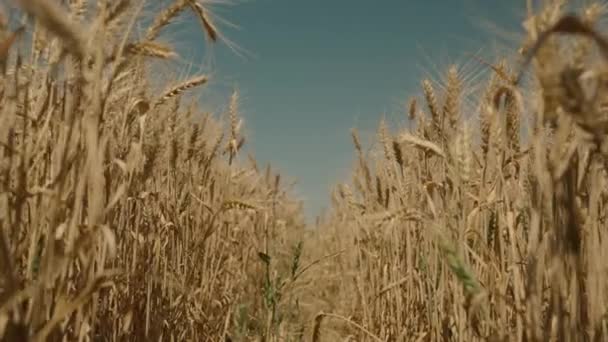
(180, 88)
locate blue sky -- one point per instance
(318, 68)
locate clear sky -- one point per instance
(318, 68)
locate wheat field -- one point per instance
(129, 214)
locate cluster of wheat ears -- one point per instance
(127, 214)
